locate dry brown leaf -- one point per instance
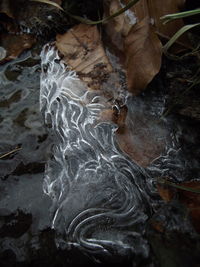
(155, 9)
(133, 33)
(15, 45)
(141, 148)
(83, 51)
(117, 28)
(189, 199)
(165, 192)
(140, 142)
(192, 201)
(143, 56)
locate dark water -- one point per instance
(23, 206)
(90, 199)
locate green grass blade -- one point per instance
(117, 13)
(180, 15)
(185, 188)
(87, 21)
(177, 35)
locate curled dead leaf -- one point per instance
(155, 9)
(136, 33)
(83, 51)
(133, 34)
(14, 45)
(165, 193)
(140, 141)
(190, 199)
(119, 27)
(143, 56)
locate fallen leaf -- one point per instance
(143, 56)
(155, 9)
(138, 139)
(83, 51)
(14, 45)
(165, 192)
(118, 28)
(135, 33)
(190, 199)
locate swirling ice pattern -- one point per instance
(98, 194)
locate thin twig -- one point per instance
(10, 152)
(181, 187)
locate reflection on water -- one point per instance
(23, 205)
(20, 120)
